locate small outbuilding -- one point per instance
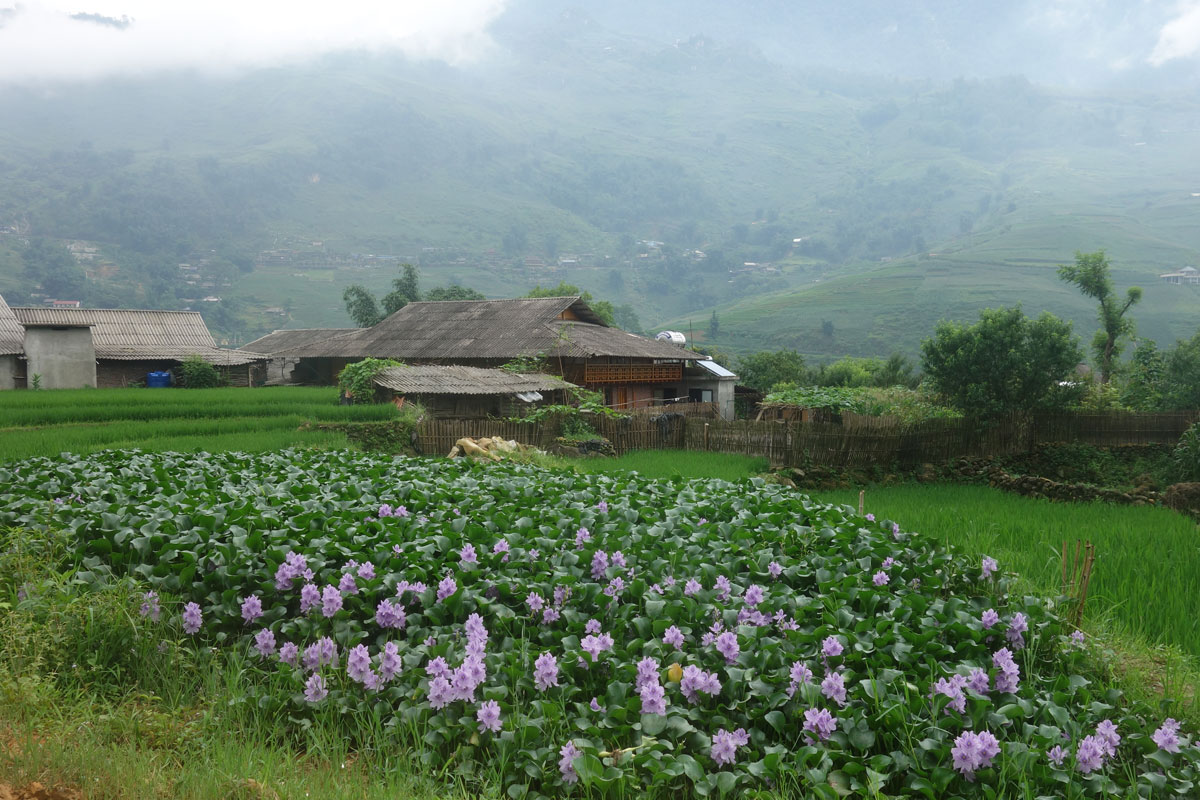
(470, 392)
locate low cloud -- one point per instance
(1179, 38)
(41, 41)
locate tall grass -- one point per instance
(1146, 580)
(678, 463)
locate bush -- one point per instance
(196, 373)
(357, 380)
(1187, 455)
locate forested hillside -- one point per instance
(681, 176)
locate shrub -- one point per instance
(196, 373)
(1187, 455)
(357, 380)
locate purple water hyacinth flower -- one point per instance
(331, 600)
(467, 678)
(314, 689)
(561, 593)
(952, 688)
(293, 566)
(723, 587)
(595, 706)
(725, 745)
(602, 507)
(974, 751)
(1077, 638)
(831, 647)
(989, 567)
(775, 569)
(446, 587)
(438, 668)
(592, 626)
(347, 584)
(501, 546)
(895, 530)
(618, 560)
(582, 537)
(978, 681)
(870, 517)
(673, 636)
(566, 764)
(880, 578)
(430, 641)
(615, 587)
(647, 672)
(385, 510)
(192, 618)
(1016, 627)
(696, 680)
(1106, 731)
(389, 661)
(799, 674)
(401, 511)
(488, 716)
(691, 587)
(1055, 755)
(319, 653)
(599, 564)
(535, 602)
(390, 615)
(467, 554)
(989, 619)
(784, 622)
(703, 521)
(264, 642)
(534, 554)
(310, 597)
(251, 609)
(754, 595)
(550, 615)
(366, 571)
(834, 687)
(1167, 736)
(669, 581)
(1089, 756)
(477, 633)
(417, 588)
(715, 630)
(889, 562)
(1010, 674)
(289, 653)
(727, 645)
(545, 672)
(820, 722)
(441, 694)
(654, 699)
(358, 663)
(150, 607)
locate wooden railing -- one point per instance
(632, 373)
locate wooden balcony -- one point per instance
(632, 373)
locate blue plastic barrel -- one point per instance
(158, 380)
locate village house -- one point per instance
(1187, 275)
(69, 348)
(469, 392)
(563, 334)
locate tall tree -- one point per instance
(1091, 273)
(714, 325)
(766, 368)
(361, 306)
(405, 289)
(454, 292)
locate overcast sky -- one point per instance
(95, 38)
(49, 40)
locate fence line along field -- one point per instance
(85, 420)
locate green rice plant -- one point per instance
(678, 464)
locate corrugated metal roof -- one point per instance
(715, 369)
(295, 341)
(12, 334)
(428, 379)
(136, 335)
(490, 329)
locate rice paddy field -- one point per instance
(87, 420)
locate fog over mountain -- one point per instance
(828, 176)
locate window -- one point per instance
(700, 395)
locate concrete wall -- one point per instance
(64, 357)
(10, 368)
(722, 392)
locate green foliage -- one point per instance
(896, 370)
(526, 364)
(603, 308)
(1187, 454)
(1181, 379)
(766, 368)
(1143, 387)
(907, 404)
(35, 383)
(1091, 274)
(196, 373)
(454, 292)
(405, 289)
(1003, 363)
(357, 380)
(361, 306)
(53, 267)
(1101, 397)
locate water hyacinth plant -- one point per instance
(742, 640)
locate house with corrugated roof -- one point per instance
(69, 348)
(564, 333)
(469, 392)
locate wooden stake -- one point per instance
(862, 493)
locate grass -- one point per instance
(678, 464)
(86, 420)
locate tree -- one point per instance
(625, 318)
(603, 308)
(405, 289)
(1181, 379)
(454, 292)
(764, 369)
(53, 267)
(1005, 362)
(714, 326)
(1091, 273)
(1144, 378)
(361, 306)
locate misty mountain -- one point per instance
(806, 142)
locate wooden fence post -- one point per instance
(706, 437)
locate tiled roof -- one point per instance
(426, 379)
(295, 342)
(12, 334)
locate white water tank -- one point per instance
(674, 337)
